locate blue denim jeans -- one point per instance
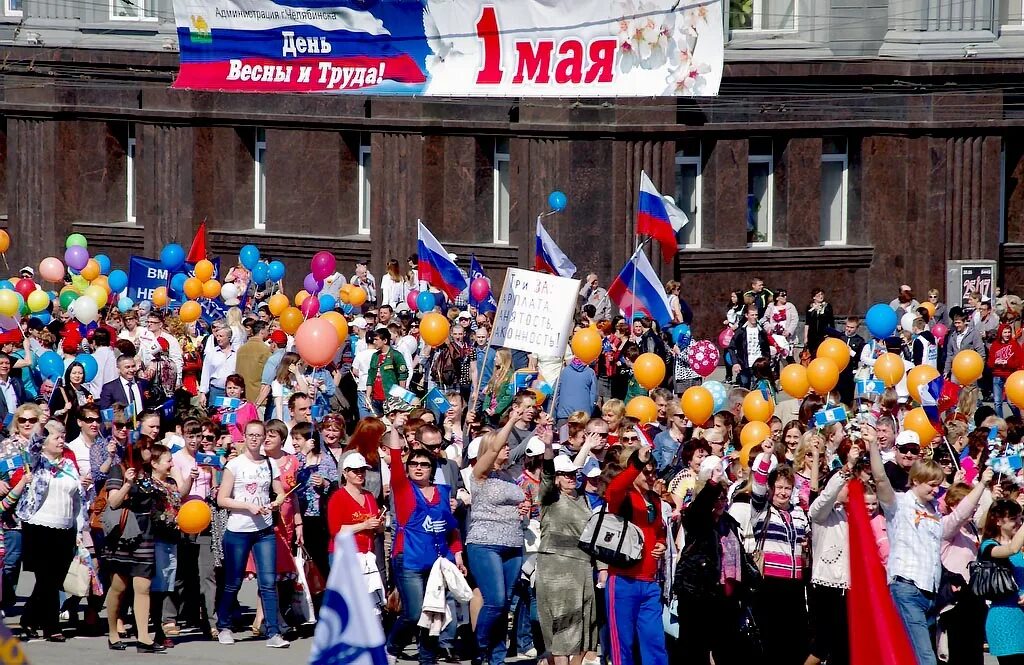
(12, 567)
(998, 383)
(915, 609)
(496, 570)
(237, 546)
(524, 614)
(411, 586)
(363, 404)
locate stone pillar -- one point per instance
(32, 191)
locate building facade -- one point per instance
(855, 145)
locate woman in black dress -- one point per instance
(819, 320)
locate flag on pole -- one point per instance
(936, 397)
(549, 257)
(197, 252)
(653, 219)
(637, 289)
(477, 270)
(435, 268)
(347, 632)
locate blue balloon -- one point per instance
(249, 255)
(178, 282)
(43, 317)
(89, 364)
(125, 303)
(881, 321)
(682, 335)
(557, 201)
(261, 273)
(276, 271)
(719, 393)
(104, 262)
(172, 256)
(5, 285)
(327, 302)
(425, 302)
(50, 365)
(117, 280)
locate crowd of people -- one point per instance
(737, 555)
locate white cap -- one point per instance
(563, 464)
(473, 449)
(591, 468)
(907, 437)
(355, 461)
(710, 463)
(359, 322)
(534, 447)
(464, 314)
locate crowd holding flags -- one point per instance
(436, 267)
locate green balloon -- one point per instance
(67, 298)
(76, 239)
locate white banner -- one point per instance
(535, 312)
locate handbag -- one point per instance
(991, 580)
(612, 539)
(758, 556)
(315, 583)
(78, 580)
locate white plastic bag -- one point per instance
(302, 605)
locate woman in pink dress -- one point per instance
(234, 419)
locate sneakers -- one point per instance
(225, 637)
(278, 642)
(530, 653)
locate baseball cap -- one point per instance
(534, 447)
(464, 314)
(563, 464)
(908, 438)
(278, 337)
(359, 322)
(905, 287)
(355, 461)
(591, 468)
(29, 270)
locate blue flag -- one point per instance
(230, 418)
(836, 414)
(227, 402)
(348, 631)
(477, 270)
(9, 465)
(209, 459)
(436, 402)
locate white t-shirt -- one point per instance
(81, 452)
(281, 393)
(252, 485)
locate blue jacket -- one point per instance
(577, 390)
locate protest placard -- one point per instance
(535, 312)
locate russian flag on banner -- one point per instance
(435, 268)
(637, 289)
(652, 218)
(550, 258)
(936, 397)
(477, 270)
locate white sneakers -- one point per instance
(278, 642)
(224, 636)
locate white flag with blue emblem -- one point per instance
(347, 631)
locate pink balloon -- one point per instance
(940, 332)
(316, 340)
(479, 289)
(51, 269)
(703, 357)
(322, 265)
(310, 307)
(410, 299)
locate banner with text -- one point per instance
(535, 312)
(529, 48)
(145, 275)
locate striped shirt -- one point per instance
(783, 532)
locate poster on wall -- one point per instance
(967, 276)
(527, 48)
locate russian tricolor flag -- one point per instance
(652, 218)
(436, 269)
(549, 257)
(637, 289)
(936, 397)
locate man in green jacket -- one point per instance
(387, 368)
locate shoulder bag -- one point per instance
(758, 555)
(991, 579)
(612, 539)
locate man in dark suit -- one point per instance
(125, 389)
(11, 389)
(748, 344)
(856, 343)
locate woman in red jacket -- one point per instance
(634, 594)
(1005, 357)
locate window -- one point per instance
(364, 184)
(760, 169)
(260, 180)
(1011, 12)
(129, 160)
(129, 10)
(687, 196)
(834, 164)
(758, 15)
(502, 177)
(12, 7)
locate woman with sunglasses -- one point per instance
(68, 396)
(26, 422)
(354, 509)
(425, 530)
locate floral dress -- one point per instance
(284, 521)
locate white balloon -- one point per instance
(85, 309)
(229, 291)
(907, 322)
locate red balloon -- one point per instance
(25, 287)
(410, 299)
(310, 307)
(316, 340)
(479, 289)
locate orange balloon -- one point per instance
(889, 368)
(822, 375)
(5, 241)
(101, 282)
(539, 396)
(930, 307)
(643, 409)
(917, 377)
(194, 516)
(754, 434)
(967, 366)
(916, 420)
(1014, 388)
(316, 341)
(277, 303)
(794, 380)
(434, 328)
(339, 323)
(160, 298)
(204, 271)
(756, 407)
(649, 370)
(91, 270)
(345, 294)
(586, 345)
(291, 319)
(357, 296)
(190, 311)
(836, 351)
(301, 296)
(193, 288)
(211, 289)
(698, 404)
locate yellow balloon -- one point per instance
(277, 303)
(823, 375)
(290, 320)
(339, 323)
(917, 377)
(434, 328)
(102, 281)
(916, 420)
(794, 380)
(211, 289)
(37, 300)
(190, 311)
(586, 345)
(649, 370)
(97, 294)
(8, 302)
(160, 297)
(301, 296)
(836, 351)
